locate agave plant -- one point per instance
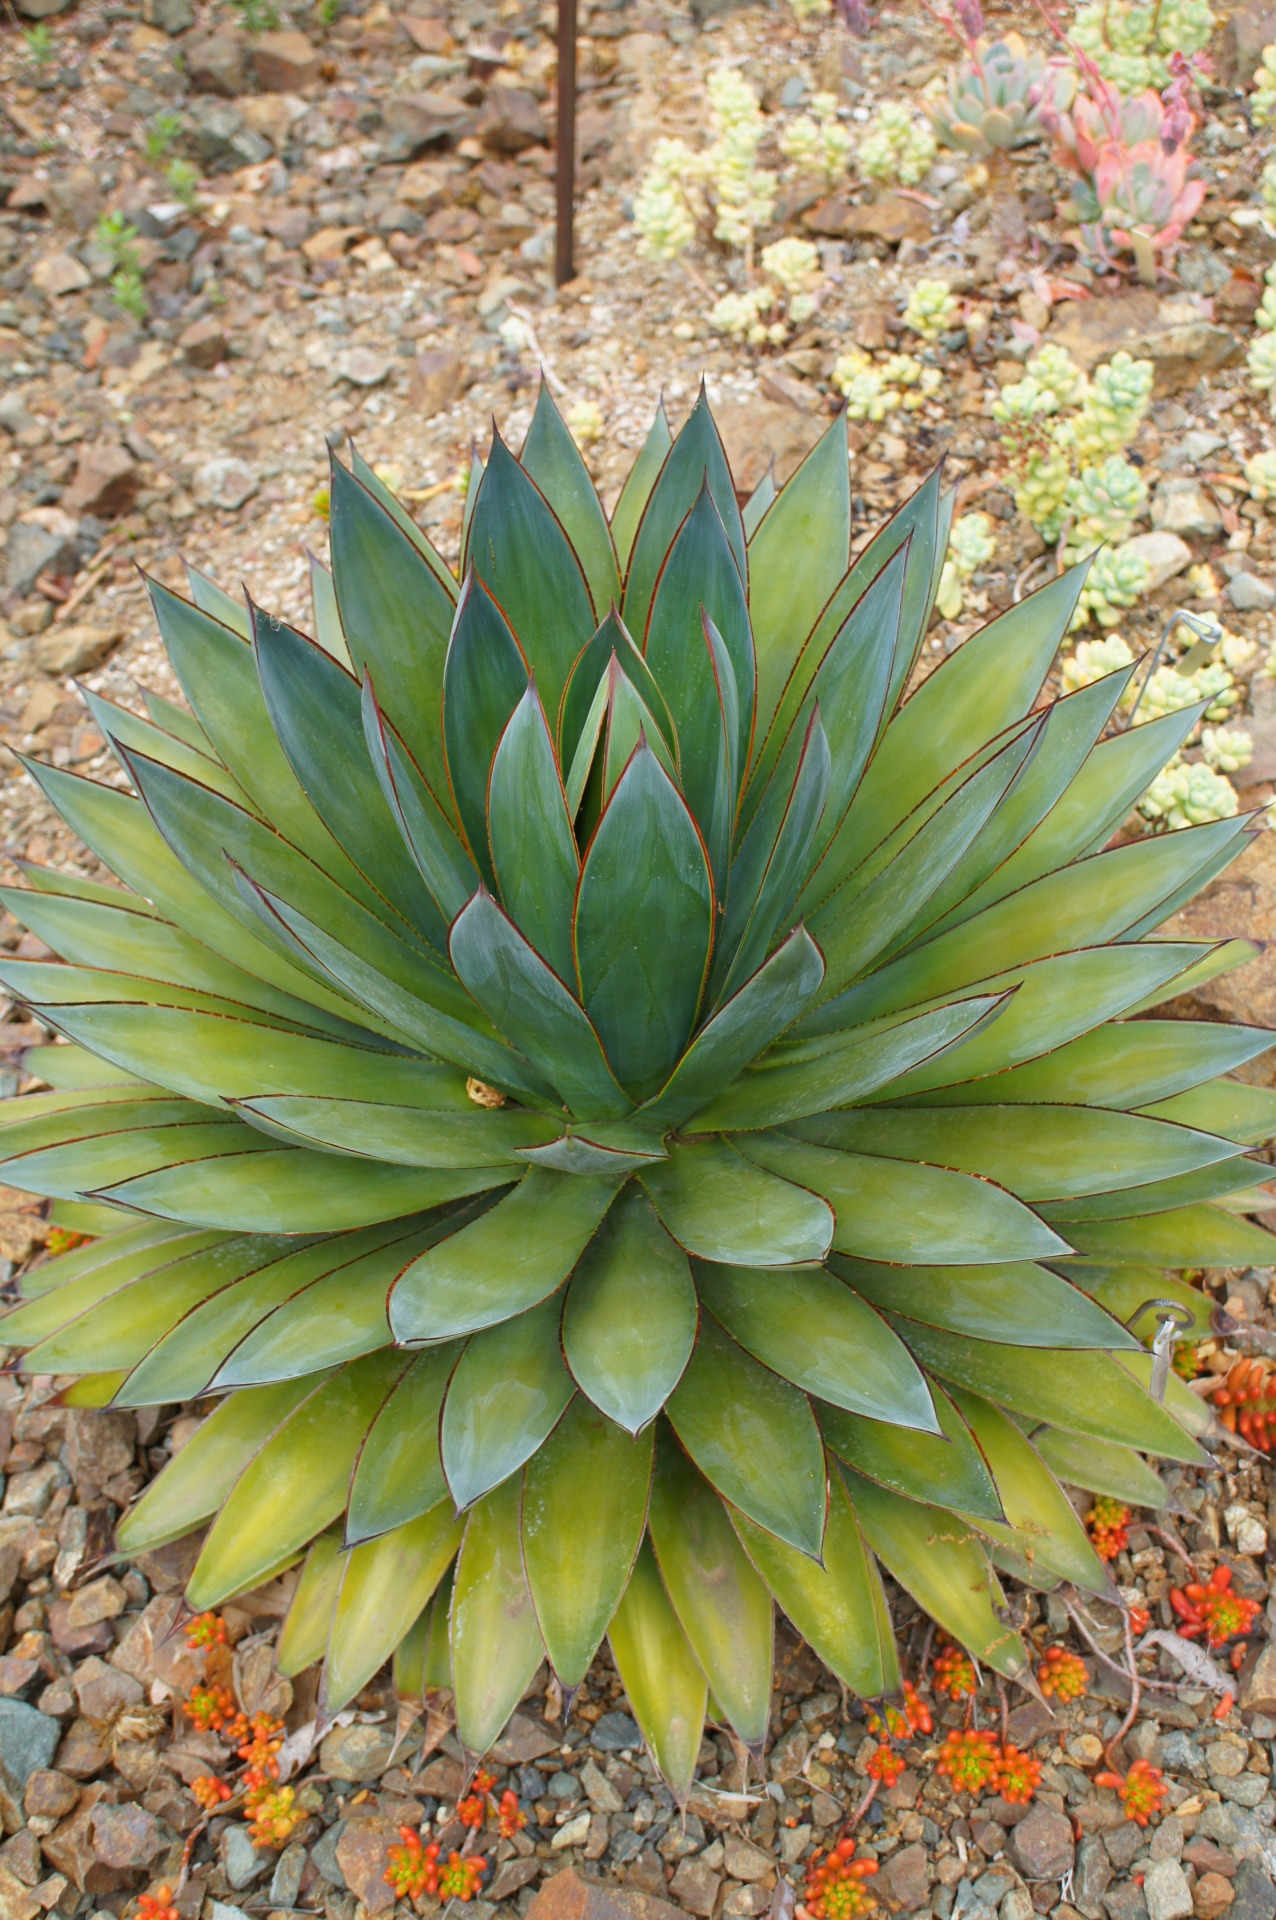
(1135, 192)
(628, 1119)
(994, 100)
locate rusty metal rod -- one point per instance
(565, 172)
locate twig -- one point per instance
(1175, 1545)
(1005, 1710)
(1136, 1693)
(863, 1807)
(1156, 1686)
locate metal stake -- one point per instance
(565, 175)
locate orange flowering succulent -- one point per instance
(211, 1709)
(954, 1673)
(1246, 1401)
(157, 1905)
(886, 1765)
(835, 1887)
(1017, 1776)
(259, 1741)
(1062, 1675)
(208, 1792)
(206, 1630)
(1213, 1609)
(274, 1815)
(1142, 1790)
(509, 1815)
(413, 1866)
(1108, 1521)
(969, 1759)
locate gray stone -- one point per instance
(357, 1753)
(616, 1733)
(363, 367)
(286, 1878)
(1255, 1893)
(324, 1855)
(224, 482)
(218, 1910)
(170, 16)
(905, 1878)
(1249, 594)
(217, 64)
(1124, 1844)
(1245, 1791)
(1017, 1905)
(695, 1887)
(221, 138)
(1041, 1846)
(1166, 1891)
(1184, 507)
(32, 551)
(1164, 553)
(28, 1740)
(1092, 1876)
(602, 1796)
(241, 1860)
(1218, 1824)
(1125, 1901)
(1190, 450)
(1180, 1753)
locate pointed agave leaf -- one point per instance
(396, 613)
(812, 516)
(1130, 1063)
(551, 457)
(214, 600)
(754, 1438)
(943, 1565)
(423, 1658)
(1186, 1237)
(195, 1483)
(767, 875)
(584, 1509)
(841, 1069)
(519, 551)
(327, 620)
(946, 1467)
(720, 819)
(526, 1000)
(408, 1136)
(1041, 1523)
(836, 1602)
(304, 1635)
(369, 478)
(385, 1585)
(295, 1486)
(617, 1150)
(618, 719)
(810, 1328)
(700, 577)
(629, 1323)
(505, 1398)
(399, 1474)
(644, 920)
(125, 729)
(759, 501)
(639, 481)
(897, 1210)
(722, 1606)
(1018, 1304)
(176, 720)
(533, 848)
(660, 1674)
(697, 457)
(586, 676)
(496, 1644)
(723, 1207)
(315, 707)
(508, 1261)
(428, 831)
(485, 676)
(1096, 1397)
(746, 1024)
(1100, 1467)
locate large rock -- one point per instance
(416, 121)
(106, 481)
(755, 431)
(60, 273)
(1042, 1846)
(1166, 1891)
(126, 1836)
(890, 218)
(363, 1854)
(285, 62)
(437, 379)
(357, 1752)
(1247, 29)
(511, 121)
(34, 550)
(1166, 555)
(28, 1739)
(904, 1878)
(569, 1897)
(218, 64)
(1172, 333)
(1258, 1694)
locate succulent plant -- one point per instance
(1265, 312)
(1054, 370)
(1113, 407)
(970, 546)
(1262, 101)
(1042, 492)
(817, 142)
(1134, 192)
(932, 307)
(993, 100)
(1227, 749)
(1118, 580)
(1104, 503)
(663, 218)
(872, 388)
(1093, 660)
(805, 11)
(1261, 362)
(1132, 42)
(1260, 475)
(897, 145)
(1169, 691)
(1188, 794)
(1267, 192)
(595, 1085)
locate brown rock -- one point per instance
(104, 1691)
(60, 273)
(890, 218)
(69, 1848)
(203, 343)
(452, 225)
(744, 1861)
(330, 243)
(100, 1445)
(1258, 1694)
(438, 378)
(903, 1879)
(126, 1836)
(84, 1750)
(512, 1877)
(103, 1599)
(756, 430)
(363, 1854)
(217, 65)
(415, 121)
(511, 121)
(781, 386)
(17, 1902)
(50, 1794)
(1246, 31)
(427, 35)
(65, 650)
(21, 1855)
(420, 186)
(151, 1650)
(1211, 1896)
(524, 1740)
(569, 1897)
(106, 481)
(285, 62)
(695, 1885)
(1242, 900)
(1172, 333)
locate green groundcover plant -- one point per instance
(630, 1120)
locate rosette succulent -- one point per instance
(993, 100)
(623, 1119)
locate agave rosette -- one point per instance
(632, 1120)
